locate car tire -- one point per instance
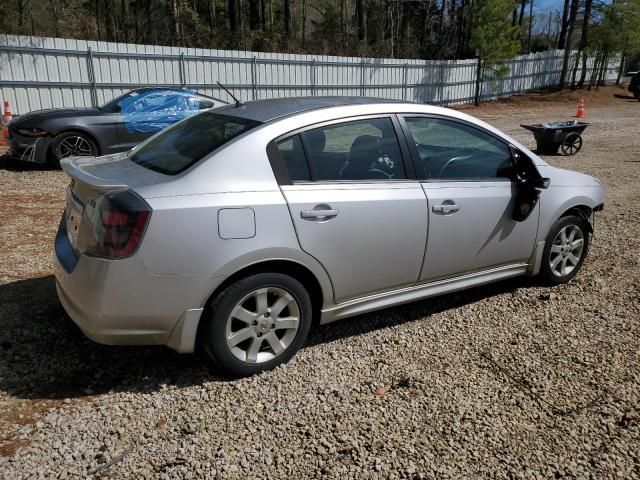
(565, 250)
(69, 144)
(248, 330)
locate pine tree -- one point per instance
(494, 39)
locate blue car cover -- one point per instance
(151, 111)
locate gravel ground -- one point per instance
(511, 380)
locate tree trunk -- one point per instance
(304, 22)
(521, 17)
(530, 25)
(361, 14)
(254, 14)
(211, 12)
(584, 40)
(567, 50)
(575, 66)
(175, 12)
(287, 18)
(478, 91)
(21, 7)
(405, 23)
(564, 25)
(602, 79)
(596, 63)
(97, 7)
(621, 68)
(234, 21)
(123, 21)
(54, 16)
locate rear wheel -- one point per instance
(565, 250)
(571, 144)
(72, 144)
(257, 323)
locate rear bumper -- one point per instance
(118, 302)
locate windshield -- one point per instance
(178, 147)
(113, 106)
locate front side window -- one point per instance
(455, 151)
(357, 150)
(183, 144)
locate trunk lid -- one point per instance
(92, 176)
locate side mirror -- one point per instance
(542, 183)
(530, 183)
(525, 171)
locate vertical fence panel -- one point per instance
(45, 72)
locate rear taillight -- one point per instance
(116, 223)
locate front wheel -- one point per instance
(256, 324)
(565, 250)
(72, 144)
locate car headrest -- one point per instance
(364, 148)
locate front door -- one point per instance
(353, 206)
(467, 177)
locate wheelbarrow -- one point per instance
(553, 136)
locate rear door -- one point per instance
(466, 173)
(355, 204)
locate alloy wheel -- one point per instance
(566, 250)
(262, 325)
(75, 146)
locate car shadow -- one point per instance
(15, 165)
(43, 355)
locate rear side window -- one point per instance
(294, 158)
(183, 144)
(355, 150)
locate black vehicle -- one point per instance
(118, 125)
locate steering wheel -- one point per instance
(377, 170)
(449, 162)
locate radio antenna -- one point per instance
(238, 102)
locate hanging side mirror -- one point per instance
(530, 183)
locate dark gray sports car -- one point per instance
(119, 125)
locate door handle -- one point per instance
(446, 208)
(319, 214)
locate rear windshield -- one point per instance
(183, 144)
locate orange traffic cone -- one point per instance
(580, 113)
(6, 118)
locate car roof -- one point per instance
(176, 89)
(268, 110)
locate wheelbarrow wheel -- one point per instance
(571, 144)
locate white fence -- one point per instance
(37, 73)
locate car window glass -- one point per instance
(358, 150)
(294, 158)
(204, 104)
(453, 150)
(181, 145)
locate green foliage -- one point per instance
(493, 37)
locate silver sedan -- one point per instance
(237, 228)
